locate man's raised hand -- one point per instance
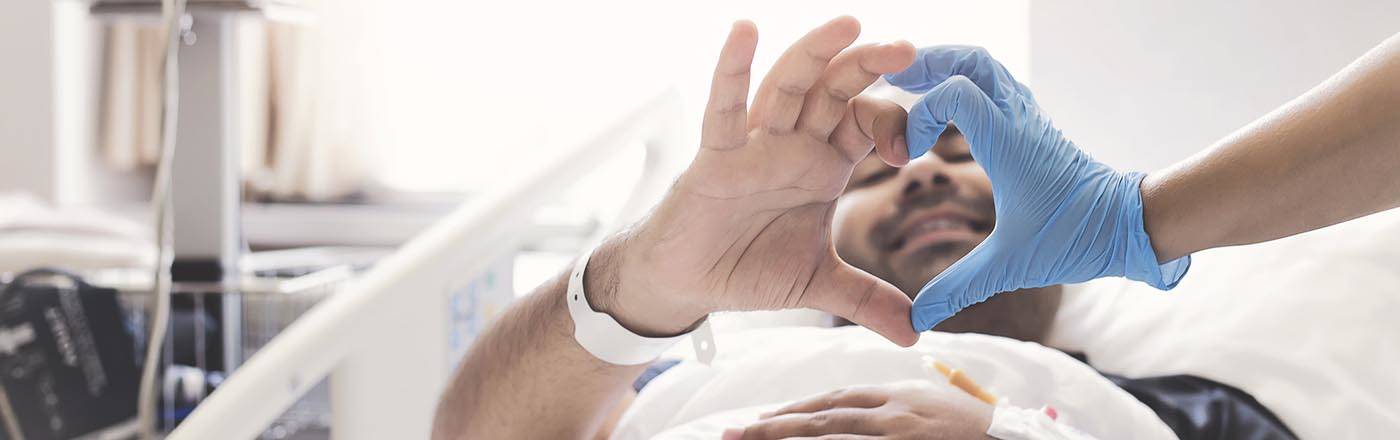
(748, 225)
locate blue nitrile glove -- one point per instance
(1061, 216)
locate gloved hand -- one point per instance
(1061, 216)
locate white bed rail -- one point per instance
(382, 339)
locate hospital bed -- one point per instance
(385, 340)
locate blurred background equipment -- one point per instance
(68, 357)
(450, 276)
(196, 192)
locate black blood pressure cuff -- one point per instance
(67, 356)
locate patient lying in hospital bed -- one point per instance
(1171, 368)
(1310, 379)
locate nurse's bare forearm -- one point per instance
(1328, 156)
(526, 377)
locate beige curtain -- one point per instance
(130, 114)
(304, 121)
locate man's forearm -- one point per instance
(526, 377)
(1327, 157)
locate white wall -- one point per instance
(26, 97)
(458, 76)
(49, 86)
(1141, 84)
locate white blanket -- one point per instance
(758, 370)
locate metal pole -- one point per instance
(207, 185)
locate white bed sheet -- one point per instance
(758, 370)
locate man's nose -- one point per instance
(924, 175)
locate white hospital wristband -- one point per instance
(609, 341)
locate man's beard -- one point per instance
(916, 268)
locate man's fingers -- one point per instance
(857, 397)
(956, 99)
(872, 121)
(935, 64)
(841, 289)
(779, 98)
(840, 421)
(849, 73)
(726, 115)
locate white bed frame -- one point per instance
(383, 339)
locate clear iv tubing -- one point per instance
(172, 13)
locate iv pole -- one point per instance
(205, 171)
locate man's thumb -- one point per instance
(864, 299)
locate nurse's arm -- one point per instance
(1331, 155)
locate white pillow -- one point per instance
(1308, 325)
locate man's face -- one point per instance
(906, 225)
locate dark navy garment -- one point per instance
(655, 369)
(1197, 408)
(1194, 408)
